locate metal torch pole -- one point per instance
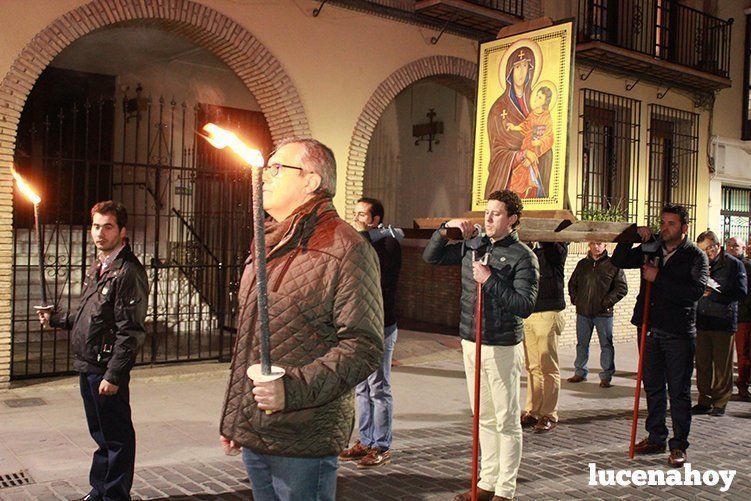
(476, 417)
(40, 251)
(259, 261)
(642, 344)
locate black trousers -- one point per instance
(668, 359)
(111, 427)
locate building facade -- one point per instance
(655, 117)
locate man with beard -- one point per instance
(678, 272)
(375, 404)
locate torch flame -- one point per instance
(222, 138)
(25, 188)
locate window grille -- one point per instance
(609, 129)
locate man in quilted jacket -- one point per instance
(509, 275)
(326, 324)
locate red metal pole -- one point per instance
(642, 344)
(476, 420)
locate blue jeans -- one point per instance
(604, 326)
(279, 478)
(375, 405)
(668, 359)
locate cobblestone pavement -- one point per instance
(432, 464)
(431, 451)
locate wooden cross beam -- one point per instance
(540, 226)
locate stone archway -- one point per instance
(261, 72)
(383, 95)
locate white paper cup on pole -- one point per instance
(255, 373)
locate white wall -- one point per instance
(411, 181)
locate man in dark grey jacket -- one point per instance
(716, 322)
(107, 328)
(509, 274)
(595, 286)
(737, 248)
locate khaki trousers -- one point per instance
(541, 331)
(500, 413)
(714, 367)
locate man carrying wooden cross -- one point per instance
(509, 288)
(678, 271)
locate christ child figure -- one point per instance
(537, 130)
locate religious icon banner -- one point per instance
(523, 101)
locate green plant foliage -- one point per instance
(611, 214)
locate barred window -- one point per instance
(736, 213)
(673, 161)
(609, 129)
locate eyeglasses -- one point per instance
(276, 168)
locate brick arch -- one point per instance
(233, 44)
(385, 93)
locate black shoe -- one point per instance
(717, 411)
(699, 409)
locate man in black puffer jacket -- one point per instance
(509, 289)
(541, 331)
(678, 271)
(717, 321)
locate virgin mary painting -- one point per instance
(514, 164)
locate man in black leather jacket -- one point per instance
(678, 271)
(717, 321)
(107, 328)
(509, 274)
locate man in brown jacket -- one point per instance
(326, 323)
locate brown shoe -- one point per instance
(647, 447)
(576, 379)
(482, 495)
(605, 384)
(354, 453)
(528, 420)
(375, 457)
(677, 458)
(545, 425)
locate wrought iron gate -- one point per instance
(189, 222)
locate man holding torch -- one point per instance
(325, 317)
(677, 271)
(509, 275)
(107, 328)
